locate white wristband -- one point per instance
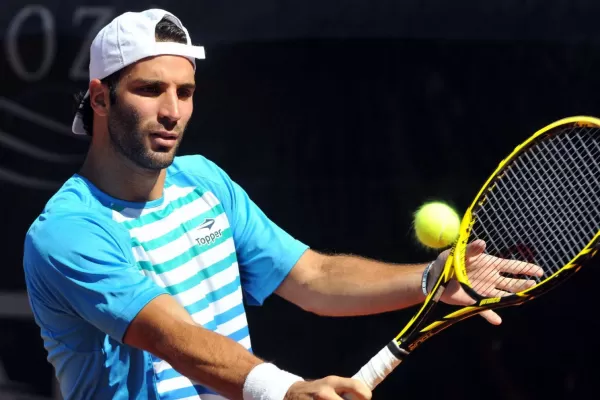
(267, 382)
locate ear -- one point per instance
(99, 97)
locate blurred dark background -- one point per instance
(339, 119)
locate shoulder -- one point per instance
(199, 171)
(73, 220)
(197, 167)
(73, 228)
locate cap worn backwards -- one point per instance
(129, 38)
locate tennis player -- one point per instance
(137, 268)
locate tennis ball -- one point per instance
(436, 224)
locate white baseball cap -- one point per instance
(129, 38)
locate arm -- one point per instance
(344, 285)
(82, 264)
(164, 328)
(271, 260)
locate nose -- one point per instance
(169, 107)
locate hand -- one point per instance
(484, 273)
(329, 388)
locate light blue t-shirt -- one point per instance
(92, 262)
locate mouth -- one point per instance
(165, 135)
(164, 139)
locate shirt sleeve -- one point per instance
(81, 266)
(266, 253)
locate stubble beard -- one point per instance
(128, 139)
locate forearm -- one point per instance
(351, 285)
(208, 358)
(164, 328)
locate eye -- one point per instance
(148, 90)
(185, 93)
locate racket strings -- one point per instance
(546, 241)
(541, 210)
(565, 203)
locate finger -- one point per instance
(489, 289)
(350, 388)
(491, 317)
(486, 264)
(520, 267)
(352, 394)
(475, 248)
(327, 393)
(514, 285)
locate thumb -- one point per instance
(490, 316)
(475, 248)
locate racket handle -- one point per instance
(379, 367)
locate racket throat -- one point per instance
(397, 351)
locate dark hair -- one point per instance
(166, 31)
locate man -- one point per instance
(138, 266)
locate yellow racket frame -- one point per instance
(455, 263)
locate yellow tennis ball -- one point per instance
(436, 225)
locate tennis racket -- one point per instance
(539, 216)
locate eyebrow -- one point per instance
(155, 82)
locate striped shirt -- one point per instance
(92, 262)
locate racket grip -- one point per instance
(379, 367)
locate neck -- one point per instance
(118, 177)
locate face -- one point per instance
(152, 109)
